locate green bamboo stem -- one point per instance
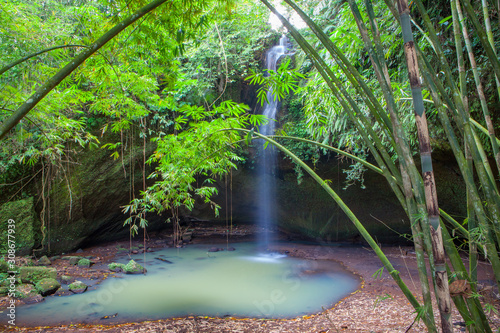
(482, 128)
(467, 174)
(483, 37)
(471, 216)
(479, 86)
(489, 33)
(41, 92)
(462, 117)
(419, 245)
(378, 61)
(32, 55)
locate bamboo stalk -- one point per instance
(443, 295)
(489, 33)
(479, 86)
(479, 210)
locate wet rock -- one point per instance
(55, 258)
(73, 260)
(84, 263)
(214, 249)
(25, 290)
(47, 286)
(133, 268)
(116, 267)
(135, 252)
(65, 279)
(34, 299)
(34, 274)
(44, 261)
(79, 251)
(231, 248)
(78, 287)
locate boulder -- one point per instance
(25, 291)
(66, 279)
(84, 263)
(44, 261)
(34, 274)
(78, 287)
(214, 249)
(116, 267)
(47, 286)
(34, 299)
(74, 260)
(133, 268)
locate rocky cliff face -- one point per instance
(100, 186)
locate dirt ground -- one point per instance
(377, 306)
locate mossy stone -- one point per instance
(44, 261)
(84, 263)
(66, 279)
(34, 274)
(116, 267)
(47, 286)
(133, 268)
(78, 287)
(25, 290)
(4, 291)
(74, 260)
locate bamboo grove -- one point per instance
(417, 194)
(378, 120)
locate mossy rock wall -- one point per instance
(306, 209)
(85, 206)
(25, 222)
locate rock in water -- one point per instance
(213, 249)
(78, 287)
(116, 267)
(133, 268)
(47, 286)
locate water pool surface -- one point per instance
(242, 283)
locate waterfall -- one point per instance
(266, 194)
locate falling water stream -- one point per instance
(266, 167)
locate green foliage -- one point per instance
(281, 82)
(189, 162)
